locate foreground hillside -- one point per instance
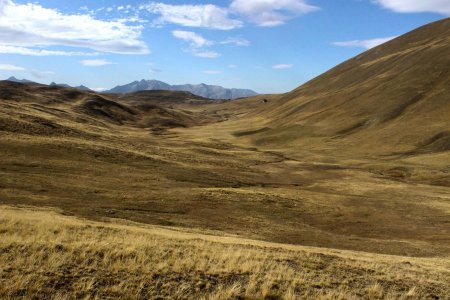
(46, 255)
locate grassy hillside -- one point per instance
(47, 255)
(390, 100)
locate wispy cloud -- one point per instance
(96, 62)
(41, 74)
(259, 12)
(232, 66)
(99, 89)
(41, 52)
(236, 41)
(417, 6)
(205, 53)
(29, 27)
(282, 66)
(212, 72)
(197, 43)
(9, 67)
(367, 44)
(271, 12)
(195, 40)
(202, 15)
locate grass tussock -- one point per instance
(44, 255)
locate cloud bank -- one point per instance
(26, 28)
(417, 6)
(264, 13)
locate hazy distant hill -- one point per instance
(80, 87)
(204, 90)
(14, 79)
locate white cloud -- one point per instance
(237, 41)
(9, 67)
(41, 52)
(155, 70)
(197, 43)
(212, 72)
(202, 15)
(96, 62)
(416, 6)
(41, 74)
(204, 53)
(99, 89)
(195, 40)
(282, 66)
(232, 66)
(271, 12)
(368, 44)
(31, 25)
(260, 12)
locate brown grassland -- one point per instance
(46, 255)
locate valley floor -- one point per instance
(193, 179)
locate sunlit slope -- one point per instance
(393, 98)
(45, 255)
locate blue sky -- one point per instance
(270, 46)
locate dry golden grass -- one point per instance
(45, 255)
(206, 177)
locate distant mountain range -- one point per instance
(204, 90)
(14, 79)
(80, 87)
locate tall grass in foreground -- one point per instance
(44, 255)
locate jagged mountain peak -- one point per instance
(202, 89)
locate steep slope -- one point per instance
(393, 98)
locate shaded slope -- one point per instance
(161, 97)
(392, 98)
(98, 106)
(48, 110)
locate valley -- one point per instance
(354, 162)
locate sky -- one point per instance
(270, 46)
